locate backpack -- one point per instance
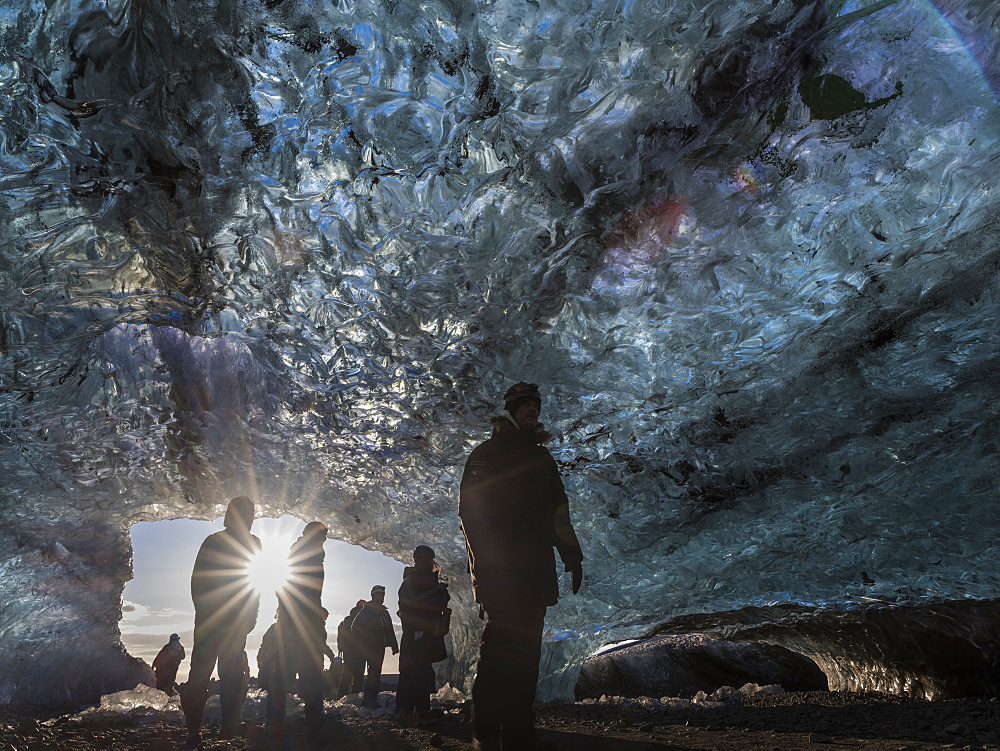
(364, 624)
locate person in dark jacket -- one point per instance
(300, 634)
(423, 611)
(373, 629)
(351, 655)
(225, 611)
(166, 663)
(514, 510)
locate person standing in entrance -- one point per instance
(300, 633)
(166, 663)
(373, 629)
(425, 617)
(225, 611)
(514, 510)
(351, 654)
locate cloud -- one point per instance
(139, 617)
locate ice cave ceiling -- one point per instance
(297, 249)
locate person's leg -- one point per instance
(423, 685)
(373, 682)
(350, 677)
(519, 681)
(358, 677)
(344, 684)
(171, 682)
(204, 654)
(310, 671)
(276, 694)
(488, 698)
(233, 670)
(404, 688)
(404, 691)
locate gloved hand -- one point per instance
(577, 569)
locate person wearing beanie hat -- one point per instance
(424, 615)
(514, 510)
(166, 663)
(225, 611)
(373, 629)
(520, 393)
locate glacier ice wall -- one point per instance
(297, 249)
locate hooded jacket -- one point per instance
(514, 510)
(169, 658)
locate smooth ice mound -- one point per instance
(297, 250)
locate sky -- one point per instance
(157, 602)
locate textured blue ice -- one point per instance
(298, 249)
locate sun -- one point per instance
(269, 568)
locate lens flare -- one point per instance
(269, 569)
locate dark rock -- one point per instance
(29, 726)
(942, 650)
(683, 665)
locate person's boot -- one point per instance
(192, 716)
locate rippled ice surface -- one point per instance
(298, 249)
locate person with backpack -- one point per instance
(424, 613)
(351, 655)
(373, 629)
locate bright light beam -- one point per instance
(269, 569)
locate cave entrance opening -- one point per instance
(157, 601)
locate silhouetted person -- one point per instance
(424, 613)
(514, 510)
(374, 631)
(301, 633)
(331, 677)
(225, 611)
(267, 655)
(351, 654)
(166, 663)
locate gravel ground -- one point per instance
(807, 720)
